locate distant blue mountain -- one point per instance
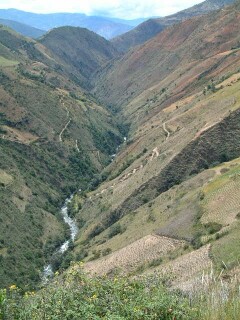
(132, 23)
(22, 28)
(106, 27)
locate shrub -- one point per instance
(79, 297)
(116, 229)
(155, 262)
(99, 228)
(212, 227)
(106, 251)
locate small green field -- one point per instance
(7, 63)
(225, 251)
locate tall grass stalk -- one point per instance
(216, 297)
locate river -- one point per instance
(48, 270)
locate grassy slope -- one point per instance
(147, 30)
(159, 193)
(89, 53)
(175, 133)
(192, 126)
(175, 64)
(41, 163)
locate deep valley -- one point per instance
(144, 133)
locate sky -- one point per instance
(125, 9)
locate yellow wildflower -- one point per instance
(13, 287)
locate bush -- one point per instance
(79, 297)
(99, 228)
(155, 262)
(106, 251)
(212, 227)
(116, 229)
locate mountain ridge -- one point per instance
(152, 27)
(179, 95)
(104, 26)
(158, 60)
(23, 29)
(89, 53)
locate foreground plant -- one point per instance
(76, 296)
(216, 298)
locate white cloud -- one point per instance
(129, 9)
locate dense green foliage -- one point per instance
(26, 204)
(76, 296)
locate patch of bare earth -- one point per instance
(16, 135)
(130, 257)
(179, 104)
(183, 271)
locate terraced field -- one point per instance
(136, 254)
(182, 271)
(222, 200)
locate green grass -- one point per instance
(35, 178)
(5, 178)
(216, 299)
(229, 170)
(7, 63)
(225, 251)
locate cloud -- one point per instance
(139, 8)
(129, 9)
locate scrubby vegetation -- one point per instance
(74, 295)
(40, 168)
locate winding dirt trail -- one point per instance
(166, 131)
(78, 150)
(61, 133)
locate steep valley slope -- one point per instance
(53, 138)
(79, 51)
(175, 63)
(157, 170)
(179, 95)
(152, 27)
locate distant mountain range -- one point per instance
(152, 27)
(106, 27)
(22, 28)
(124, 33)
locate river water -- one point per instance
(48, 270)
